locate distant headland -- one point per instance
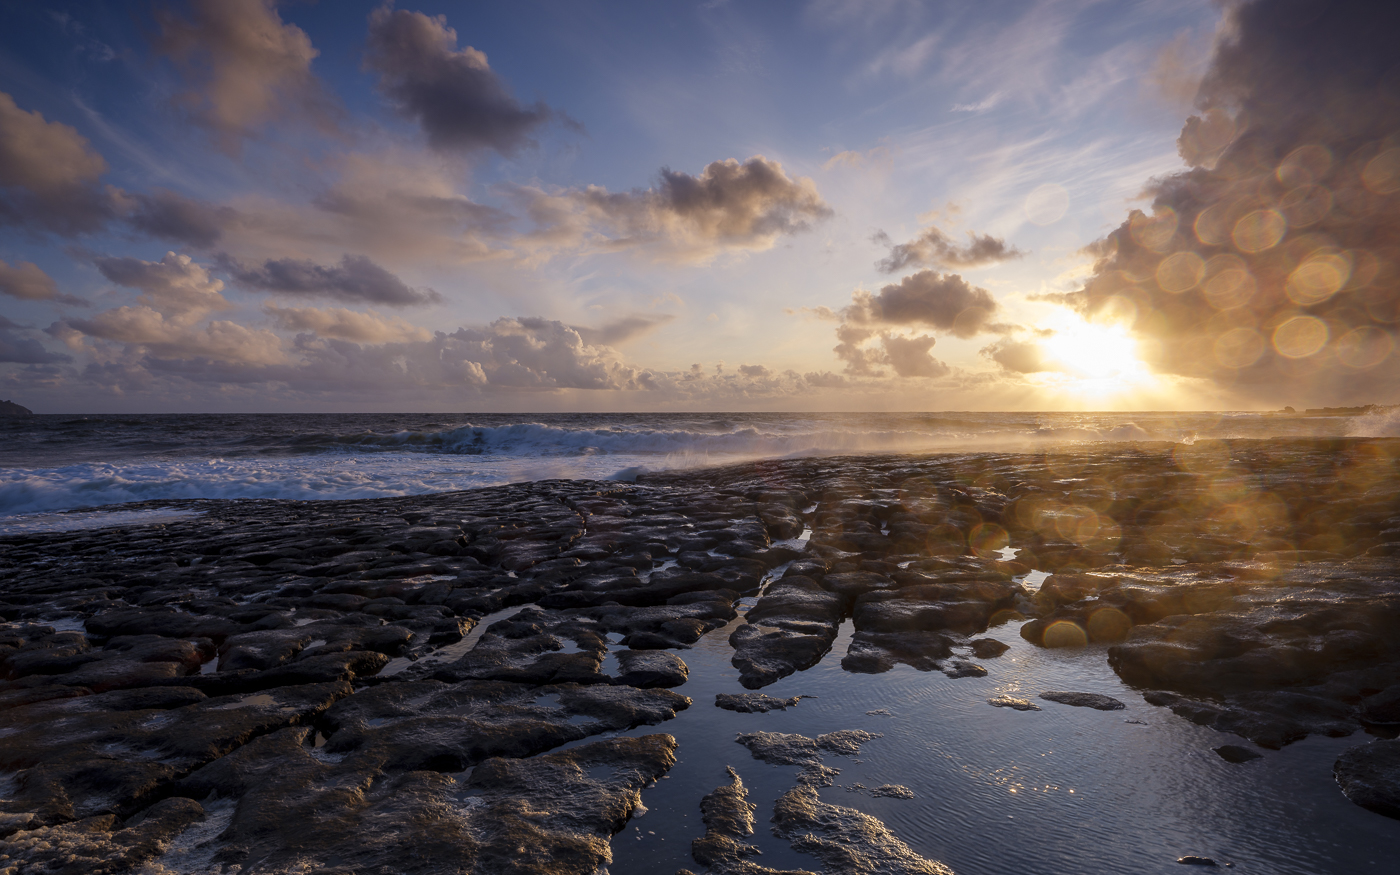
(10, 408)
(1336, 411)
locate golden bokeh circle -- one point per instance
(1180, 272)
(1364, 347)
(1239, 348)
(1064, 633)
(1300, 337)
(1258, 231)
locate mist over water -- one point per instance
(53, 463)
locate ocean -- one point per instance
(60, 462)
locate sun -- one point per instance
(1092, 351)
(1094, 362)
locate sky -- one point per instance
(833, 205)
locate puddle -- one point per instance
(253, 701)
(1033, 581)
(452, 652)
(1062, 789)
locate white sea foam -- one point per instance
(331, 456)
(1379, 423)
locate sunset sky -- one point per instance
(244, 205)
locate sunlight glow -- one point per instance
(1095, 359)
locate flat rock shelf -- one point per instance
(1187, 641)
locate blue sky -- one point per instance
(535, 206)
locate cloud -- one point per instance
(878, 156)
(343, 324)
(398, 205)
(49, 175)
(176, 286)
(933, 248)
(730, 205)
(910, 357)
(452, 93)
(980, 106)
(27, 282)
(1272, 265)
(170, 216)
(825, 380)
(622, 330)
(927, 298)
(17, 346)
(1019, 356)
(754, 371)
(357, 278)
(869, 336)
(247, 68)
(176, 294)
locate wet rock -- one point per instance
(1369, 775)
(790, 629)
(290, 810)
(648, 669)
(1194, 860)
(965, 608)
(1084, 700)
(1284, 661)
(788, 749)
(988, 648)
(764, 654)
(450, 727)
(892, 791)
(1382, 709)
(556, 812)
(99, 845)
(843, 839)
(873, 652)
(1013, 702)
(111, 753)
(755, 703)
(1233, 753)
(961, 668)
(728, 818)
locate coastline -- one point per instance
(222, 680)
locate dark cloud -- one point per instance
(170, 216)
(754, 371)
(1273, 265)
(452, 93)
(19, 347)
(934, 248)
(24, 280)
(729, 205)
(622, 330)
(49, 175)
(928, 298)
(355, 279)
(247, 68)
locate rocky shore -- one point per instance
(443, 677)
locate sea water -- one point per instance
(56, 462)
